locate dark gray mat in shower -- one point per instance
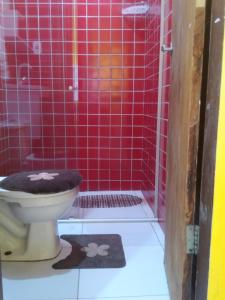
(106, 201)
(93, 251)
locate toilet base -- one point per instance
(42, 243)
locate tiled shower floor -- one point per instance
(141, 211)
(143, 277)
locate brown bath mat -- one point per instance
(107, 201)
(93, 251)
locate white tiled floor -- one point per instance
(144, 272)
(143, 277)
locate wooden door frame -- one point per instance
(183, 142)
(1, 285)
(208, 140)
(195, 283)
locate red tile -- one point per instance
(92, 163)
(82, 37)
(104, 185)
(116, 22)
(81, 10)
(116, 35)
(105, 23)
(104, 10)
(92, 10)
(81, 23)
(104, 36)
(104, 131)
(104, 164)
(116, 9)
(82, 153)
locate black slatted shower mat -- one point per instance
(106, 201)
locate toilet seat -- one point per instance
(42, 181)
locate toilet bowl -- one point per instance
(28, 224)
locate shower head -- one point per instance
(139, 8)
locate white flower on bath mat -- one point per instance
(45, 176)
(93, 250)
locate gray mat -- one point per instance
(93, 251)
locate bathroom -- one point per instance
(87, 86)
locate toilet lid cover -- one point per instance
(42, 181)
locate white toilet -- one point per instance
(28, 224)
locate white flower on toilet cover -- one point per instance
(93, 250)
(44, 176)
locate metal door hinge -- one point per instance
(192, 239)
(165, 48)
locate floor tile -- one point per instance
(72, 213)
(133, 234)
(143, 277)
(134, 212)
(69, 228)
(159, 232)
(144, 271)
(143, 274)
(38, 281)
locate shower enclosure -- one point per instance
(85, 86)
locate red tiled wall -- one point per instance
(101, 134)
(111, 69)
(166, 81)
(110, 133)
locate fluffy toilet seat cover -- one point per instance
(42, 181)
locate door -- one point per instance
(1, 288)
(214, 90)
(184, 115)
